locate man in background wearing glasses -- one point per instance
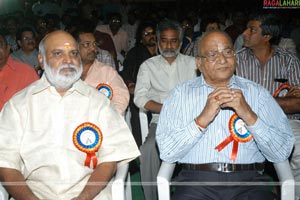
(99, 75)
(222, 128)
(27, 53)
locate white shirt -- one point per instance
(156, 77)
(36, 137)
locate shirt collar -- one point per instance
(234, 82)
(78, 86)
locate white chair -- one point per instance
(120, 190)
(3, 193)
(144, 124)
(283, 171)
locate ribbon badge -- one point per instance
(238, 133)
(282, 90)
(87, 137)
(106, 90)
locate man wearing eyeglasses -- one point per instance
(27, 53)
(222, 128)
(157, 76)
(99, 75)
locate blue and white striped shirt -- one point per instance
(180, 140)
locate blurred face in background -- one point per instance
(212, 27)
(87, 48)
(149, 37)
(27, 42)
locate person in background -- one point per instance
(208, 23)
(145, 47)
(79, 137)
(14, 76)
(221, 128)
(156, 77)
(106, 43)
(99, 75)
(118, 35)
(12, 25)
(27, 52)
(276, 69)
(131, 27)
(189, 34)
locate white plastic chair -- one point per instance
(144, 124)
(283, 171)
(120, 191)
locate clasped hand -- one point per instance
(224, 97)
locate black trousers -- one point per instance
(208, 185)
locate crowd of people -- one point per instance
(221, 88)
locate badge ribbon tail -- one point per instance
(234, 148)
(91, 157)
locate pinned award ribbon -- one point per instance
(87, 137)
(282, 90)
(238, 133)
(106, 90)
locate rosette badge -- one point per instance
(282, 90)
(106, 90)
(87, 137)
(238, 133)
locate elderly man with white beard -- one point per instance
(60, 138)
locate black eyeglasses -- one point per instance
(212, 56)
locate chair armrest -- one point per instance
(3, 193)
(286, 179)
(144, 124)
(118, 185)
(163, 180)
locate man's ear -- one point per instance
(268, 37)
(19, 42)
(199, 62)
(41, 59)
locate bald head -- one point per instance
(56, 38)
(207, 37)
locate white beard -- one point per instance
(63, 80)
(168, 54)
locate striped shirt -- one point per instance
(282, 64)
(180, 140)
